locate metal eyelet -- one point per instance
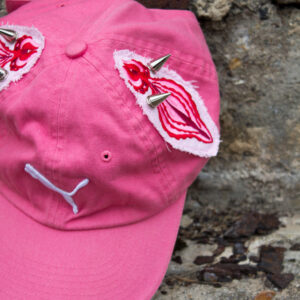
(106, 156)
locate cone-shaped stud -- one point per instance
(3, 74)
(8, 34)
(156, 64)
(155, 100)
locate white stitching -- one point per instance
(67, 196)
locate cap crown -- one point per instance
(74, 118)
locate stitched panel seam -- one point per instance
(168, 177)
(59, 129)
(158, 167)
(171, 188)
(203, 67)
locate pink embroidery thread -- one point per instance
(178, 114)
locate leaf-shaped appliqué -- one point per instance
(182, 119)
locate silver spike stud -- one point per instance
(3, 74)
(155, 100)
(157, 64)
(8, 34)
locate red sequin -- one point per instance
(178, 114)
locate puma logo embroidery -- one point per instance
(66, 195)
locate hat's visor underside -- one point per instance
(121, 263)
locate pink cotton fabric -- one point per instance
(61, 117)
(127, 262)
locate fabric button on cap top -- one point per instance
(75, 49)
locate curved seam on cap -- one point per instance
(160, 165)
(55, 157)
(172, 190)
(170, 187)
(34, 72)
(208, 69)
(145, 137)
(80, 29)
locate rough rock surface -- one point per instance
(181, 284)
(288, 1)
(173, 4)
(256, 51)
(214, 10)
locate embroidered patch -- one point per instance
(182, 119)
(19, 57)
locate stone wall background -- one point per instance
(255, 46)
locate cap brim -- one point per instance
(127, 262)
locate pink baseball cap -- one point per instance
(108, 112)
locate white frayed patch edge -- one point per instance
(190, 145)
(37, 37)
